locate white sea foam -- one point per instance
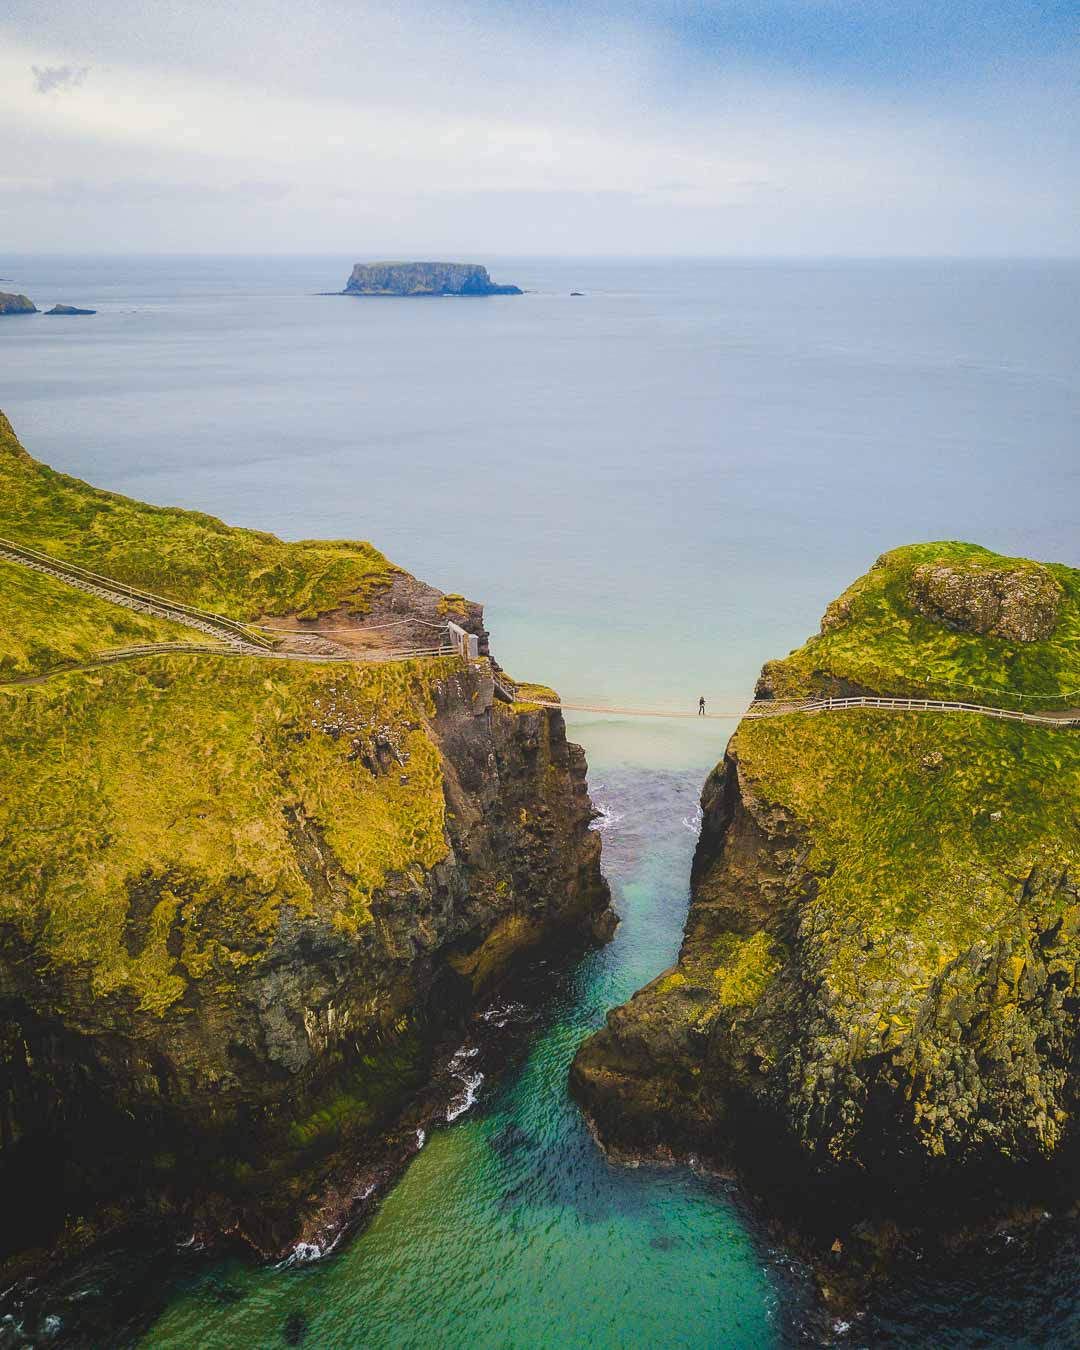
(607, 819)
(693, 823)
(470, 1091)
(306, 1252)
(501, 1013)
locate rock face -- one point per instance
(423, 278)
(1020, 605)
(69, 309)
(16, 304)
(244, 905)
(876, 1002)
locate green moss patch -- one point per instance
(885, 634)
(746, 966)
(44, 623)
(184, 555)
(159, 815)
(923, 826)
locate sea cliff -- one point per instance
(249, 903)
(423, 278)
(875, 1005)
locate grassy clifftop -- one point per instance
(947, 620)
(44, 623)
(157, 817)
(185, 555)
(881, 966)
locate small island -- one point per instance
(423, 278)
(16, 304)
(69, 309)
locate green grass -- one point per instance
(878, 638)
(922, 825)
(158, 814)
(185, 555)
(44, 623)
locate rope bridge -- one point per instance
(233, 638)
(762, 708)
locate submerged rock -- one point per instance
(876, 1001)
(423, 278)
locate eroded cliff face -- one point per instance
(211, 1020)
(248, 905)
(875, 1009)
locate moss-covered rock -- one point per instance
(243, 900)
(946, 620)
(876, 999)
(184, 555)
(16, 304)
(1019, 603)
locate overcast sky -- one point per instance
(863, 127)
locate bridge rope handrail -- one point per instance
(768, 708)
(763, 708)
(1066, 698)
(214, 649)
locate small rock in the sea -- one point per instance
(510, 1139)
(296, 1327)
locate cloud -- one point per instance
(434, 125)
(51, 79)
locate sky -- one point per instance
(416, 127)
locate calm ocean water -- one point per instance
(654, 488)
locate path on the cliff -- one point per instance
(143, 602)
(234, 638)
(241, 640)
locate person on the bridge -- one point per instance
(701, 706)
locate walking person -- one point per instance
(701, 706)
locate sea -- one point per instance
(653, 487)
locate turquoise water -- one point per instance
(509, 1228)
(654, 488)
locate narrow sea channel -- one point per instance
(654, 488)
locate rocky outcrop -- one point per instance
(1018, 604)
(876, 1004)
(423, 278)
(69, 309)
(248, 906)
(250, 1027)
(16, 304)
